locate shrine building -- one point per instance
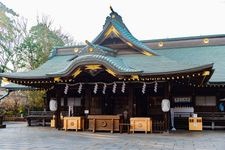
(116, 73)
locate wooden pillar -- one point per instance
(193, 97)
(168, 95)
(48, 97)
(130, 100)
(87, 99)
(218, 97)
(105, 104)
(58, 111)
(65, 103)
(111, 106)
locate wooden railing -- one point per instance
(213, 119)
(39, 113)
(211, 114)
(39, 117)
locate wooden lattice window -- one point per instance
(205, 100)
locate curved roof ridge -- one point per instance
(114, 23)
(130, 38)
(109, 61)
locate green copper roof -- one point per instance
(123, 64)
(163, 63)
(62, 65)
(13, 86)
(200, 55)
(116, 21)
(97, 49)
(114, 63)
(54, 64)
(159, 65)
(185, 38)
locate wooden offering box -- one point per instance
(73, 123)
(104, 122)
(141, 124)
(195, 123)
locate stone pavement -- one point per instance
(17, 136)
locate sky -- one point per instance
(146, 19)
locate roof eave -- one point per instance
(195, 69)
(2, 75)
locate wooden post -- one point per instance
(130, 100)
(87, 99)
(168, 95)
(112, 126)
(94, 123)
(57, 113)
(193, 97)
(76, 125)
(133, 125)
(48, 96)
(83, 124)
(65, 103)
(146, 124)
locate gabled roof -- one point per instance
(60, 66)
(114, 25)
(127, 64)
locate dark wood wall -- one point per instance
(133, 100)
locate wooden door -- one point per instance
(120, 104)
(96, 105)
